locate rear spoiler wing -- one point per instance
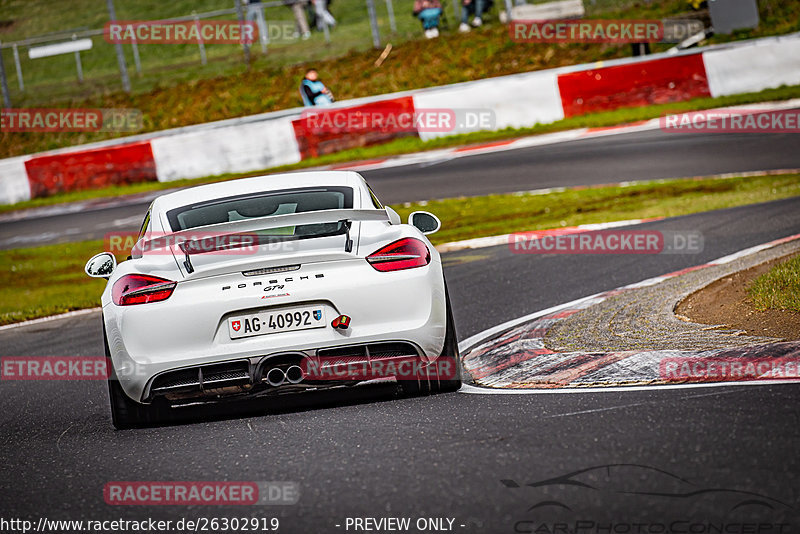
(187, 240)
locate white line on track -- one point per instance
(473, 390)
(67, 315)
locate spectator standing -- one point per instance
(474, 7)
(256, 12)
(321, 16)
(429, 12)
(298, 8)
(313, 91)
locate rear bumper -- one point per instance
(298, 371)
(190, 329)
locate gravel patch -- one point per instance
(643, 319)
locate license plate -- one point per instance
(271, 322)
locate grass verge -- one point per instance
(408, 145)
(41, 281)
(778, 289)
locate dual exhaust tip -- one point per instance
(277, 376)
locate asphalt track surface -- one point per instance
(636, 156)
(700, 456)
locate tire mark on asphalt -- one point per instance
(635, 404)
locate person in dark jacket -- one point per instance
(475, 8)
(429, 11)
(313, 91)
(319, 14)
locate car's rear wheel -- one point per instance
(445, 373)
(125, 412)
(448, 366)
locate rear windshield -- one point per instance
(265, 204)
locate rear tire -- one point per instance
(452, 373)
(452, 380)
(125, 412)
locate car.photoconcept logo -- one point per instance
(641, 498)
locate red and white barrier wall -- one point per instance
(763, 64)
(250, 146)
(658, 81)
(518, 101)
(14, 184)
(268, 140)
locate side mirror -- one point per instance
(425, 222)
(101, 265)
(394, 217)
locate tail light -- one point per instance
(405, 253)
(141, 289)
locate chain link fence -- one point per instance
(55, 52)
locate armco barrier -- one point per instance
(249, 144)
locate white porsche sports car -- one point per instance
(271, 285)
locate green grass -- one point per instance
(408, 145)
(778, 289)
(175, 90)
(41, 281)
(44, 281)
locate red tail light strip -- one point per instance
(406, 253)
(140, 289)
